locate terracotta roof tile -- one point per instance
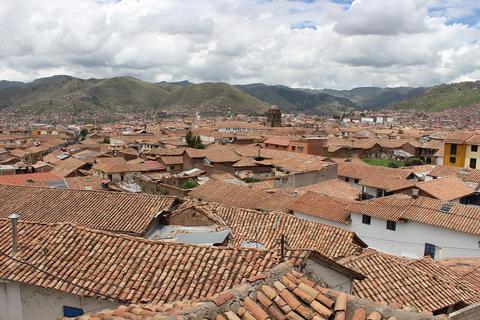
(149, 272)
(253, 226)
(391, 280)
(322, 206)
(447, 189)
(253, 303)
(111, 211)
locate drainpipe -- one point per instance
(13, 219)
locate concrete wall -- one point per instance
(24, 302)
(333, 279)
(10, 301)
(301, 179)
(471, 312)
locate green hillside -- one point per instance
(212, 98)
(375, 97)
(65, 94)
(294, 100)
(445, 96)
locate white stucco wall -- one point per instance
(24, 302)
(10, 301)
(409, 238)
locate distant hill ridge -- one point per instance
(65, 94)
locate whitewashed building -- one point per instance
(410, 227)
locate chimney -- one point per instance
(13, 219)
(415, 192)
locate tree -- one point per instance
(83, 133)
(414, 162)
(189, 184)
(193, 141)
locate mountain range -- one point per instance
(65, 94)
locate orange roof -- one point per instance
(448, 188)
(113, 211)
(393, 280)
(278, 142)
(322, 206)
(30, 179)
(279, 293)
(125, 269)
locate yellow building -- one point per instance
(462, 150)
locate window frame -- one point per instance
(391, 225)
(470, 163)
(453, 149)
(476, 148)
(366, 219)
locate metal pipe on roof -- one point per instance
(13, 219)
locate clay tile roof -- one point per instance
(475, 139)
(444, 171)
(119, 212)
(241, 196)
(362, 171)
(459, 137)
(278, 141)
(334, 188)
(280, 293)
(448, 188)
(68, 166)
(125, 269)
(386, 183)
(406, 283)
(170, 160)
(166, 151)
(30, 179)
(266, 229)
(322, 206)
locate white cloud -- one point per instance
(373, 42)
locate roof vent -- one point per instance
(13, 219)
(446, 207)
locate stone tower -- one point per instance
(274, 117)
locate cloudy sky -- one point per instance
(316, 44)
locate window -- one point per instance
(366, 219)
(391, 225)
(347, 179)
(453, 149)
(429, 250)
(474, 148)
(356, 180)
(71, 312)
(452, 159)
(473, 163)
